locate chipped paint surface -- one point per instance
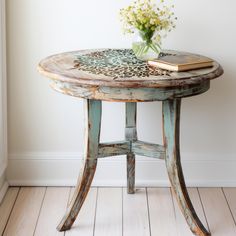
(113, 149)
(148, 149)
(93, 111)
(68, 77)
(129, 94)
(61, 67)
(171, 125)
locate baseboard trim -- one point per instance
(62, 170)
(3, 190)
(138, 184)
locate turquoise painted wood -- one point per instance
(93, 110)
(148, 149)
(113, 149)
(171, 123)
(129, 94)
(136, 147)
(116, 75)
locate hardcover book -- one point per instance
(181, 62)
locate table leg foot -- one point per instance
(80, 193)
(171, 120)
(92, 135)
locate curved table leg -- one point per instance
(92, 135)
(171, 126)
(131, 135)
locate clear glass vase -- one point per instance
(145, 48)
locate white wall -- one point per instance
(46, 128)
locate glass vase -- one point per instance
(145, 48)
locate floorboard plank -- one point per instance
(135, 213)
(36, 211)
(108, 220)
(84, 224)
(25, 213)
(230, 194)
(161, 210)
(53, 208)
(218, 215)
(182, 226)
(6, 207)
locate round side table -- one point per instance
(116, 75)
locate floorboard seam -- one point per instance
(11, 211)
(40, 211)
(95, 213)
(122, 209)
(228, 205)
(204, 212)
(149, 219)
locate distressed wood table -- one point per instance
(116, 75)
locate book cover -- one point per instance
(181, 62)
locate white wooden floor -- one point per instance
(111, 212)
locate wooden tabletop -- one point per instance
(119, 68)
